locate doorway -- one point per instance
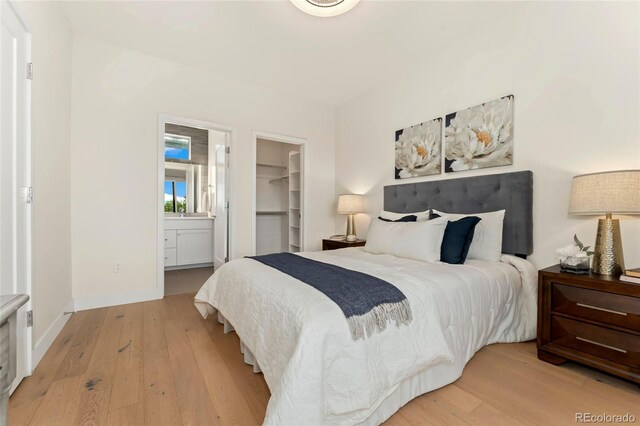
(194, 202)
(278, 224)
(15, 177)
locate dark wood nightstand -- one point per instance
(591, 319)
(328, 244)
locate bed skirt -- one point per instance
(432, 378)
(248, 356)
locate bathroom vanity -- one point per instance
(188, 242)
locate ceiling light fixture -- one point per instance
(325, 8)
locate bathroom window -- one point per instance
(177, 147)
(175, 196)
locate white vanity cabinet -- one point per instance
(188, 242)
(194, 246)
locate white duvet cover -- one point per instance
(318, 374)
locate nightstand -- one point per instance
(328, 244)
(590, 319)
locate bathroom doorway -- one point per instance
(278, 223)
(194, 202)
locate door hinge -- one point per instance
(30, 70)
(226, 205)
(227, 150)
(28, 195)
(30, 318)
(226, 259)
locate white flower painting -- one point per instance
(418, 150)
(479, 137)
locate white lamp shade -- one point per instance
(606, 192)
(350, 203)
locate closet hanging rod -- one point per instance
(277, 166)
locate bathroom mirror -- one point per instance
(186, 185)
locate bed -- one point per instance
(318, 374)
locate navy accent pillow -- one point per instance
(409, 218)
(457, 239)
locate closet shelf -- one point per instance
(277, 166)
(272, 212)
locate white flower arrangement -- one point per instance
(481, 136)
(574, 254)
(418, 150)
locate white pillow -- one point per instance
(411, 240)
(487, 236)
(420, 216)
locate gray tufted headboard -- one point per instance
(510, 191)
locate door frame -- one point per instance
(225, 147)
(293, 140)
(201, 124)
(28, 268)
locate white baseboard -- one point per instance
(113, 299)
(50, 335)
(196, 266)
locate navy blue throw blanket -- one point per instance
(367, 302)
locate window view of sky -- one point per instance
(176, 153)
(181, 189)
(176, 146)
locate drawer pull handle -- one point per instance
(601, 344)
(597, 308)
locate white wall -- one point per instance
(51, 89)
(573, 68)
(116, 98)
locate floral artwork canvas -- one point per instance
(479, 137)
(418, 150)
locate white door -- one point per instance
(15, 175)
(221, 231)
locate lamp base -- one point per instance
(608, 258)
(351, 228)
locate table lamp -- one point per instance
(606, 193)
(350, 204)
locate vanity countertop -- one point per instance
(10, 303)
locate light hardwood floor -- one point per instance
(159, 363)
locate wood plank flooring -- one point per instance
(159, 363)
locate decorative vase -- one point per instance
(575, 264)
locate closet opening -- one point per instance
(279, 194)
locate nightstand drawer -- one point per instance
(4, 352)
(608, 308)
(616, 346)
(328, 244)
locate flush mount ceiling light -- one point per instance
(325, 8)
